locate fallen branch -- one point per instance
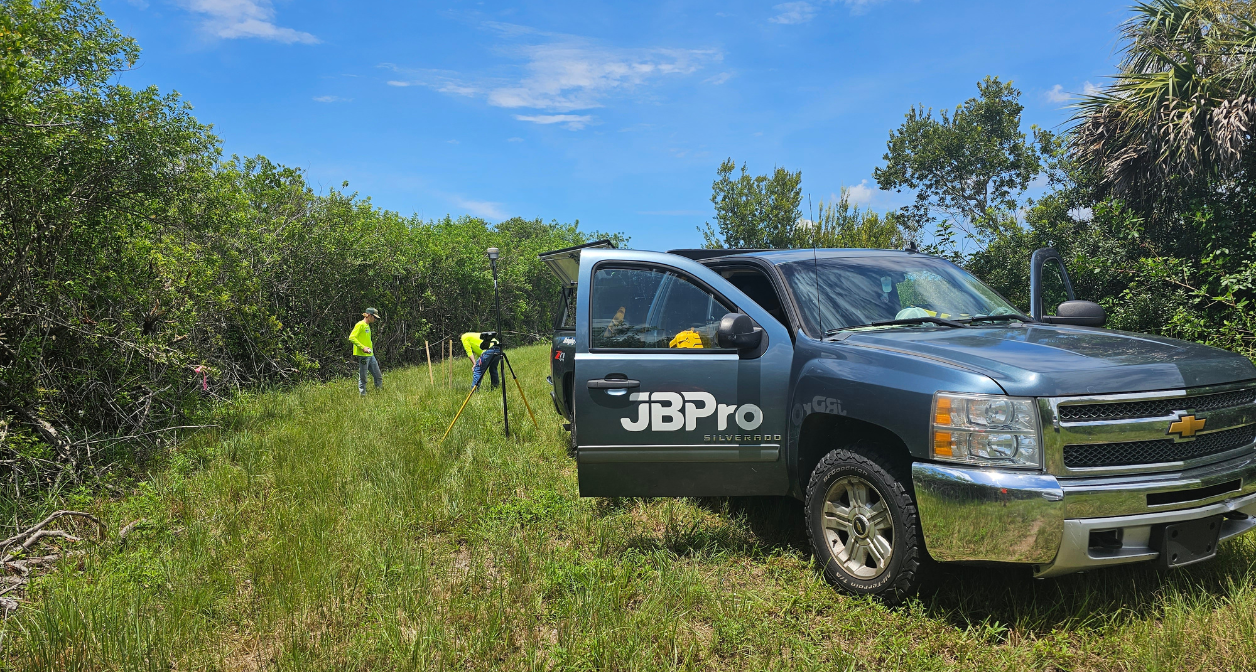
(48, 433)
(25, 564)
(136, 436)
(131, 526)
(22, 536)
(61, 534)
(27, 539)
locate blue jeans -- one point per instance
(487, 361)
(368, 363)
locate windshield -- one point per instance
(858, 291)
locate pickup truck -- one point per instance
(917, 413)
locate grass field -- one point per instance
(319, 531)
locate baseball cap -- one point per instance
(371, 311)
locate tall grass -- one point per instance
(317, 530)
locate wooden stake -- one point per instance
(430, 379)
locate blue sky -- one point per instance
(616, 114)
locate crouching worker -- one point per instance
(485, 350)
(364, 352)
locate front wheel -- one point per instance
(863, 525)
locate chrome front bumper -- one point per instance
(991, 515)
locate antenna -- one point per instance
(815, 265)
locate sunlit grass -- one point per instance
(317, 530)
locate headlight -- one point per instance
(986, 429)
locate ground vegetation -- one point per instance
(310, 532)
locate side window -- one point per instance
(651, 308)
(566, 310)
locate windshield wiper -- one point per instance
(918, 320)
(994, 318)
(904, 322)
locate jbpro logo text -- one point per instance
(670, 411)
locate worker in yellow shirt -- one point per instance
(364, 351)
(485, 350)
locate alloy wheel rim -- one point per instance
(858, 528)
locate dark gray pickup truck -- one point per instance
(915, 411)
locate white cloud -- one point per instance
(859, 6)
(1057, 94)
(1091, 89)
(230, 19)
(438, 82)
(573, 122)
(793, 12)
(332, 99)
(718, 79)
(563, 74)
(575, 75)
(802, 11)
(486, 209)
(457, 89)
(453, 142)
(861, 194)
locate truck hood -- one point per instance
(1052, 360)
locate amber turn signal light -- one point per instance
(942, 416)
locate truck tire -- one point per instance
(863, 525)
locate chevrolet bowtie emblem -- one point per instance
(1186, 426)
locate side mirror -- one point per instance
(1079, 313)
(737, 331)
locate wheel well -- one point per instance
(823, 432)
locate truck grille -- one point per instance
(1153, 408)
(1158, 451)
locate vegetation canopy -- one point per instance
(141, 275)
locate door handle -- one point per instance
(613, 384)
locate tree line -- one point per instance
(143, 274)
(1150, 186)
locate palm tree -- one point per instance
(1182, 106)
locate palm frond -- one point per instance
(1182, 105)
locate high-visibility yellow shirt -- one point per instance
(361, 338)
(686, 339)
(471, 343)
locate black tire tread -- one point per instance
(912, 569)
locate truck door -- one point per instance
(661, 409)
(565, 265)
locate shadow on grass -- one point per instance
(967, 595)
(972, 595)
(749, 526)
